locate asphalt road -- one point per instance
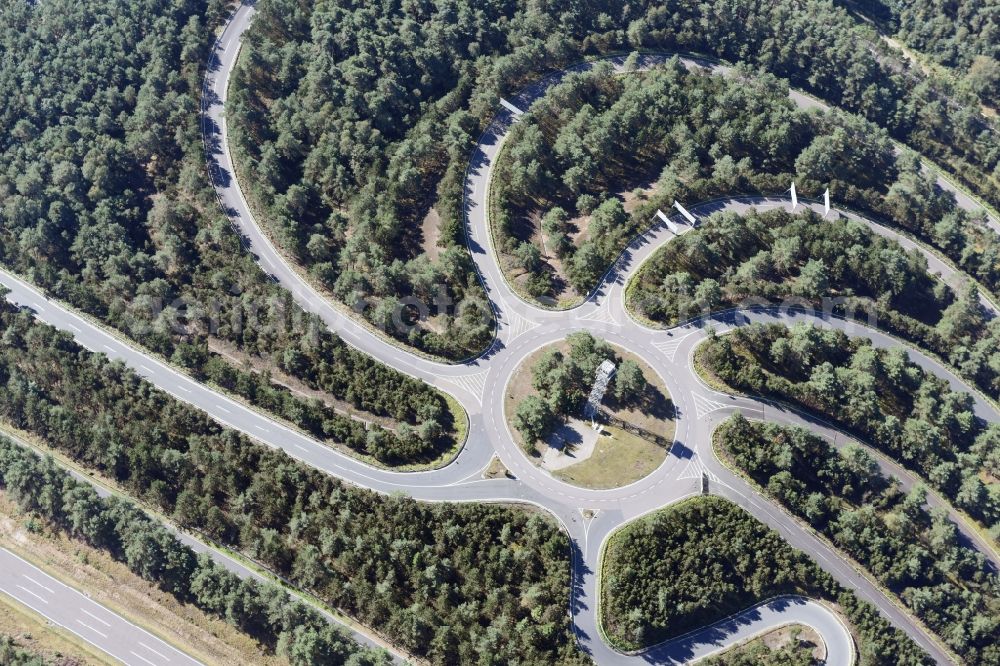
(755, 621)
(219, 556)
(77, 613)
(589, 516)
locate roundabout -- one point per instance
(589, 515)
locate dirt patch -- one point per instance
(795, 636)
(497, 470)
(430, 233)
(529, 228)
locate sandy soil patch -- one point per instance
(430, 232)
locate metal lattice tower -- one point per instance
(604, 374)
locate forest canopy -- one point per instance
(455, 583)
(105, 203)
(881, 395)
(352, 124)
(710, 559)
(281, 624)
(836, 265)
(918, 554)
(593, 160)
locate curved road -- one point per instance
(589, 516)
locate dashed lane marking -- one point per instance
(99, 633)
(34, 594)
(106, 624)
(131, 652)
(158, 654)
(44, 587)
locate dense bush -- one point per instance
(880, 394)
(776, 257)
(695, 137)
(262, 610)
(917, 555)
(454, 583)
(962, 35)
(353, 121)
(11, 654)
(104, 200)
(702, 560)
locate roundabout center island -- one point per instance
(590, 413)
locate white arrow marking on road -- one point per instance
(826, 202)
(795, 197)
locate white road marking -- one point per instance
(158, 654)
(134, 654)
(37, 596)
(223, 409)
(108, 347)
(669, 347)
(44, 587)
(99, 633)
(73, 328)
(510, 107)
(106, 624)
(704, 406)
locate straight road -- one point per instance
(67, 607)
